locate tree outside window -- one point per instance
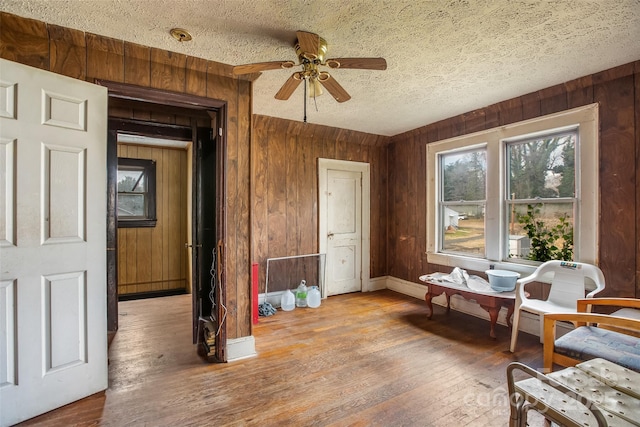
(462, 205)
(541, 198)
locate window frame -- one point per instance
(149, 168)
(496, 219)
(442, 204)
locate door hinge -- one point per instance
(210, 134)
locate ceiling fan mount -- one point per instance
(311, 51)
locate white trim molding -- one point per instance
(241, 348)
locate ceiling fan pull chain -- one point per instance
(305, 100)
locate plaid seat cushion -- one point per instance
(590, 342)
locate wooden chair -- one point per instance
(607, 336)
(568, 284)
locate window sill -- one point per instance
(478, 264)
(137, 223)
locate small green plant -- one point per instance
(546, 239)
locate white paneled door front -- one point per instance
(53, 329)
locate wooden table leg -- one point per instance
(448, 302)
(493, 316)
(427, 298)
(510, 309)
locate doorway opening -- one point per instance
(190, 194)
(152, 209)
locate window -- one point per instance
(136, 193)
(493, 195)
(541, 201)
(462, 201)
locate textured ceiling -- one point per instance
(444, 57)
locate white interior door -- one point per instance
(53, 331)
(343, 236)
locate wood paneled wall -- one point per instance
(155, 258)
(618, 93)
(285, 186)
(88, 57)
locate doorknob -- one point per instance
(186, 245)
(330, 235)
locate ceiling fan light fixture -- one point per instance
(315, 88)
(311, 50)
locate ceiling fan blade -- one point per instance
(261, 66)
(289, 87)
(333, 87)
(309, 43)
(358, 63)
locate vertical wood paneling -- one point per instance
(105, 58)
(292, 178)
(24, 40)
(637, 138)
(243, 217)
(378, 162)
(531, 106)
(474, 121)
(143, 242)
(153, 259)
(553, 100)
(618, 235)
(276, 198)
(68, 52)
(137, 64)
(396, 212)
(196, 76)
(165, 209)
(259, 167)
(158, 257)
(308, 224)
(285, 161)
(579, 92)
(168, 70)
(510, 111)
(492, 116)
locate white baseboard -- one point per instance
(241, 348)
(375, 284)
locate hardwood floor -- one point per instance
(362, 359)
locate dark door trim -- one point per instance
(215, 109)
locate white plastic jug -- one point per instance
(313, 297)
(287, 300)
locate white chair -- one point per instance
(568, 285)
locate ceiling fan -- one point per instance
(311, 50)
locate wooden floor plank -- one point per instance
(362, 359)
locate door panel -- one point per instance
(344, 231)
(53, 241)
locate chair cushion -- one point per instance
(590, 342)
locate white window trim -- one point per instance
(587, 194)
